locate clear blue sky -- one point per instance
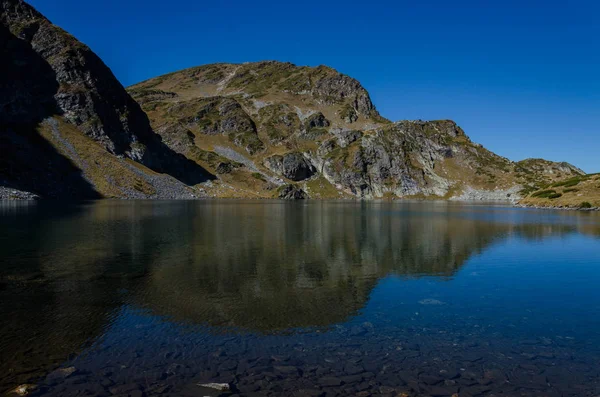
(522, 77)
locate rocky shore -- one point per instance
(541, 207)
(6, 193)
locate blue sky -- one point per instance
(521, 77)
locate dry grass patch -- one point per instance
(107, 173)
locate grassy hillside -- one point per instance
(578, 192)
(241, 121)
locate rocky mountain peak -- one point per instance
(310, 87)
(84, 90)
(49, 77)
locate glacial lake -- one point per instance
(315, 298)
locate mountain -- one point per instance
(275, 129)
(68, 128)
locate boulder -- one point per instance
(293, 166)
(292, 192)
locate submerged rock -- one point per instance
(62, 373)
(23, 390)
(216, 386)
(431, 302)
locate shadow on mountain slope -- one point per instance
(31, 90)
(28, 161)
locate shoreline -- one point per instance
(540, 207)
(508, 203)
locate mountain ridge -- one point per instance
(327, 118)
(265, 129)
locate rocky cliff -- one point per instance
(67, 126)
(275, 129)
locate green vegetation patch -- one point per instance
(544, 193)
(569, 182)
(211, 158)
(348, 114)
(150, 95)
(278, 122)
(259, 78)
(248, 141)
(322, 188)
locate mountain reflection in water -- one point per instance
(229, 266)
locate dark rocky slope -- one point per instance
(318, 129)
(51, 83)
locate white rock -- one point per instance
(24, 390)
(216, 386)
(431, 302)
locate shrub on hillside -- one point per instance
(543, 193)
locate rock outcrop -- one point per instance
(291, 192)
(294, 166)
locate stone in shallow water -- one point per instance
(351, 379)
(386, 390)
(471, 357)
(287, 369)
(430, 379)
(431, 302)
(125, 389)
(229, 365)
(352, 369)
(439, 391)
(357, 331)
(250, 388)
(62, 373)
(449, 374)
(308, 393)
(330, 381)
(216, 386)
(23, 390)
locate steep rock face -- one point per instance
(214, 116)
(553, 169)
(48, 74)
(319, 127)
(398, 159)
(316, 120)
(293, 166)
(87, 93)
